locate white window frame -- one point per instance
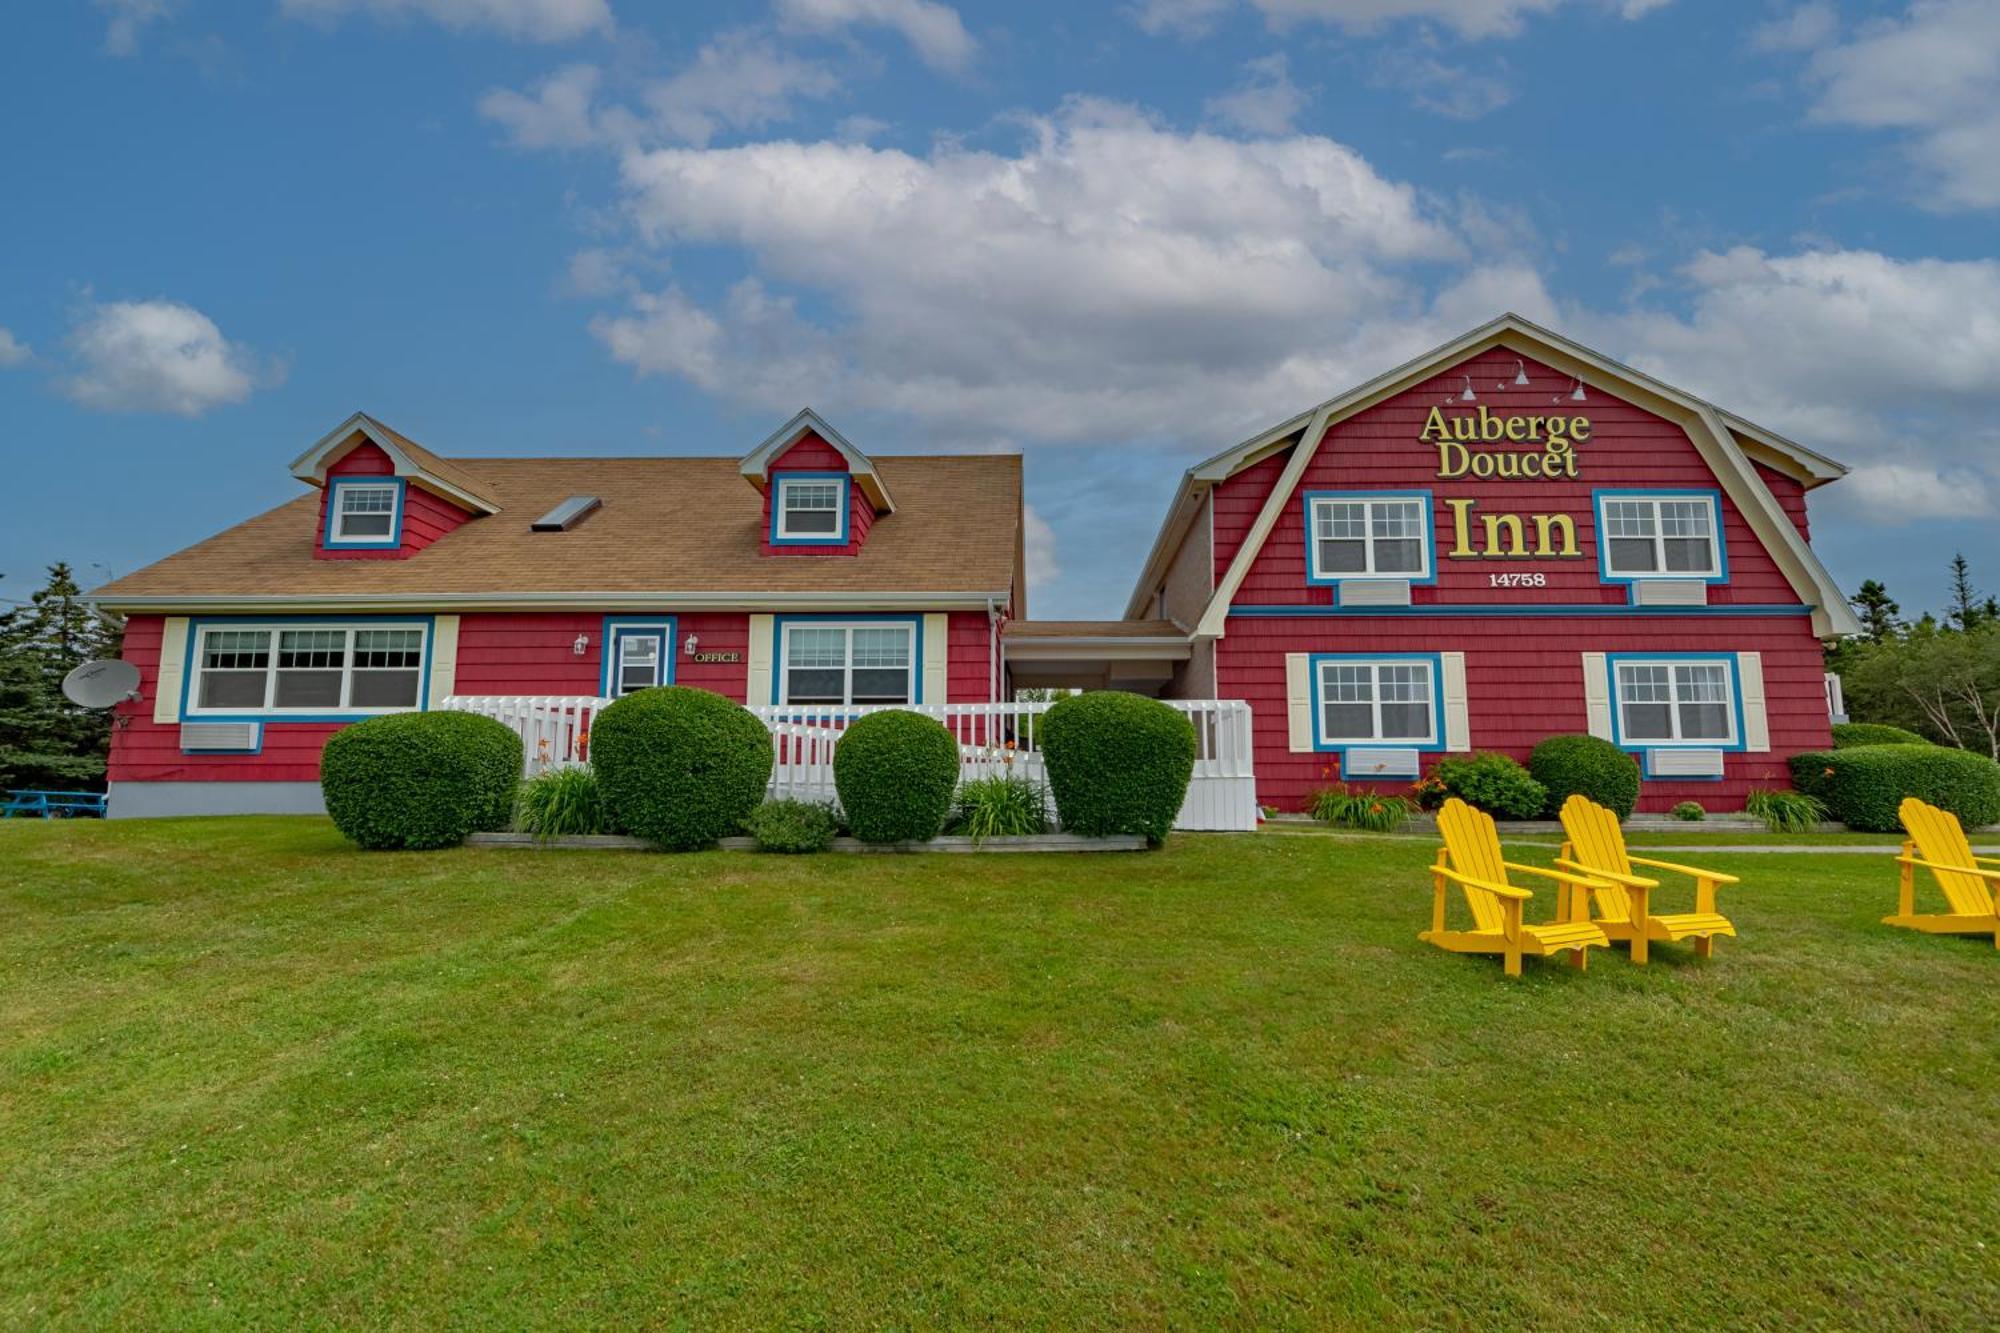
(782, 512)
(784, 664)
(198, 655)
(1432, 687)
(336, 515)
(1654, 500)
(1732, 703)
(1424, 538)
(623, 636)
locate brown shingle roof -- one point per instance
(667, 525)
(442, 468)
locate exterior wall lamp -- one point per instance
(581, 646)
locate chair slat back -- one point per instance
(1941, 839)
(1474, 844)
(1596, 840)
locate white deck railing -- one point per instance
(992, 739)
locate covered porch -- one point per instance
(1140, 656)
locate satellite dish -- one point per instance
(101, 684)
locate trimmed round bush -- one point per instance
(792, 827)
(1589, 766)
(1493, 783)
(1117, 763)
(420, 780)
(1848, 735)
(678, 766)
(1863, 786)
(895, 772)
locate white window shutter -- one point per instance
(1597, 694)
(1298, 702)
(444, 660)
(1457, 713)
(763, 649)
(172, 670)
(937, 658)
(1750, 689)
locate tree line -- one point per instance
(1938, 676)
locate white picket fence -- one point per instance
(992, 739)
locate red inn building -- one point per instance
(1506, 539)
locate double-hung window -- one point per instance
(307, 669)
(1392, 701)
(848, 664)
(1368, 537)
(364, 513)
(810, 510)
(1660, 536)
(1665, 702)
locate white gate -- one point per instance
(992, 739)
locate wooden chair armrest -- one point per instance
(1629, 881)
(1986, 860)
(1561, 876)
(1989, 875)
(1692, 872)
(1504, 890)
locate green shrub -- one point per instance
(1343, 807)
(419, 780)
(678, 766)
(1004, 806)
(1863, 786)
(895, 772)
(1118, 763)
(1691, 811)
(1589, 766)
(1811, 770)
(1493, 783)
(1785, 811)
(563, 802)
(792, 827)
(1849, 735)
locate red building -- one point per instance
(804, 572)
(1506, 539)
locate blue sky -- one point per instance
(1117, 238)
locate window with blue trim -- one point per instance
(364, 513)
(307, 669)
(847, 664)
(1668, 702)
(1388, 702)
(1355, 536)
(1660, 536)
(642, 657)
(811, 510)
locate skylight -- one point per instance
(567, 514)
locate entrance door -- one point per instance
(639, 659)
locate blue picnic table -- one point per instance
(29, 803)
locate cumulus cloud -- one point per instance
(1904, 493)
(13, 352)
(1267, 102)
(127, 19)
(1934, 76)
(933, 30)
(1040, 538)
(156, 356)
(525, 20)
(1803, 29)
(1468, 18)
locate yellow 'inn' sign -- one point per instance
(1465, 448)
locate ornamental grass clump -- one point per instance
(1784, 811)
(563, 803)
(1343, 807)
(895, 772)
(1117, 763)
(1003, 806)
(678, 766)
(414, 781)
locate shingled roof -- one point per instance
(671, 530)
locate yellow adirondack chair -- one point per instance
(1471, 858)
(1594, 845)
(1971, 883)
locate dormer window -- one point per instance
(810, 509)
(364, 514)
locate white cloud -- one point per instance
(1268, 102)
(127, 19)
(1468, 18)
(558, 115)
(156, 356)
(1804, 29)
(13, 352)
(1893, 493)
(1933, 74)
(1448, 90)
(935, 31)
(528, 20)
(1040, 538)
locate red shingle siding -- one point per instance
(812, 454)
(426, 517)
(1791, 497)
(968, 669)
(1524, 683)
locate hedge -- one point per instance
(420, 780)
(791, 827)
(1117, 763)
(895, 772)
(1862, 786)
(1494, 783)
(1585, 765)
(1848, 735)
(678, 766)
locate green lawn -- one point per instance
(251, 1077)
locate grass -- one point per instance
(249, 1077)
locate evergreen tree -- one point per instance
(1878, 611)
(46, 741)
(1969, 607)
